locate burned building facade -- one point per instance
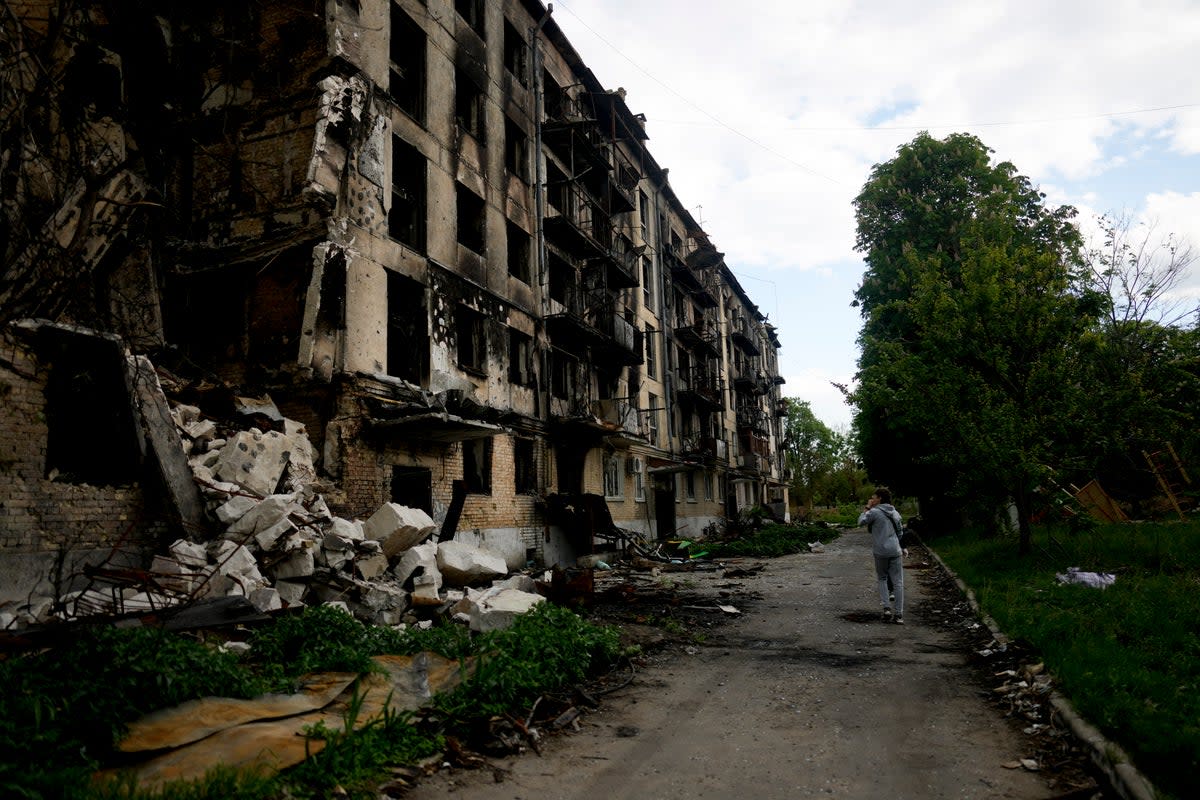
(422, 227)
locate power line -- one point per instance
(699, 108)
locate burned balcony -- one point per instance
(619, 265)
(623, 183)
(703, 448)
(621, 418)
(748, 379)
(576, 223)
(752, 421)
(589, 322)
(781, 408)
(702, 387)
(572, 133)
(700, 285)
(743, 336)
(700, 335)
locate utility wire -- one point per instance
(699, 108)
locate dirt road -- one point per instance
(806, 694)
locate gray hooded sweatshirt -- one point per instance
(882, 521)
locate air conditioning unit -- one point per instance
(633, 466)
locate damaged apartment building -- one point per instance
(422, 228)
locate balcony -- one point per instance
(743, 335)
(572, 133)
(747, 379)
(703, 448)
(576, 223)
(623, 184)
(702, 387)
(621, 418)
(582, 322)
(619, 264)
(700, 336)
(752, 422)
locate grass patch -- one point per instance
(1127, 656)
(64, 708)
(767, 542)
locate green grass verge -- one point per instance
(64, 708)
(1128, 656)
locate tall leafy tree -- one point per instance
(971, 309)
(811, 448)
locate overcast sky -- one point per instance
(771, 114)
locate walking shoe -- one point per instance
(898, 620)
(892, 597)
(887, 615)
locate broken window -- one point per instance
(520, 355)
(652, 417)
(468, 104)
(518, 253)
(562, 376)
(648, 283)
(413, 487)
(408, 330)
(644, 214)
(614, 481)
(524, 466)
(91, 434)
(477, 465)
(472, 13)
(406, 72)
(406, 218)
(472, 346)
(516, 150)
(563, 278)
(651, 353)
(471, 225)
(639, 480)
(689, 480)
(708, 486)
(516, 53)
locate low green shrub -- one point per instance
(767, 542)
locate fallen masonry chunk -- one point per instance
(398, 527)
(254, 460)
(462, 564)
(499, 610)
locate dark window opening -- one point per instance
(518, 254)
(468, 104)
(562, 376)
(406, 218)
(516, 53)
(407, 330)
(406, 73)
(563, 280)
(469, 333)
(651, 353)
(472, 13)
(477, 466)
(91, 433)
(520, 358)
(413, 487)
(471, 220)
(516, 150)
(524, 466)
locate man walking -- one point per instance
(884, 524)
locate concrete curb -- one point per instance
(1114, 762)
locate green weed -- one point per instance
(1128, 656)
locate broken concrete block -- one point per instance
(524, 583)
(425, 591)
(462, 564)
(267, 513)
(334, 559)
(203, 430)
(235, 559)
(417, 561)
(372, 566)
(255, 461)
(190, 554)
(299, 564)
(300, 468)
(291, 592)
(398, 527)
(267, 539)
(171, 575)
(350, 530)
(235, 508)
(500, 610)
(185, 415)
(367, 547)
(334, 543)
(266, 599)
(380, 596)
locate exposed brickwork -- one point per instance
(40, 515)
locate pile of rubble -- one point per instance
(281, 547)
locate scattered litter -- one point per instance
(1096, 580)
(1030, 764)
(816, 547)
